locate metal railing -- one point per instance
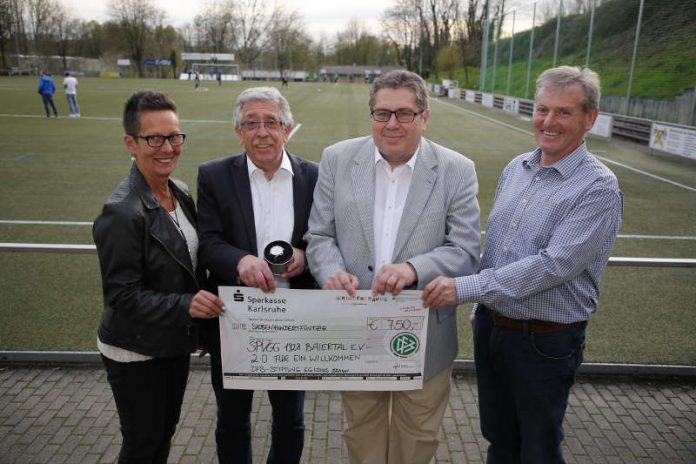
(637, 129)
(461, 366)
(613, 261)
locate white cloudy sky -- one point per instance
(320, 16)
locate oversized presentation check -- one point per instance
(322, 340)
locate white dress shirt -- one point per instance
(274, 213)
(391, 189)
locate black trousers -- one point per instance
(233, 431)
(148, 397)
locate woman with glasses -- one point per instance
(147, 246)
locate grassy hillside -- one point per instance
(665, 64)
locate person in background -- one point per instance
(549, 236)
(70, 85)
(246, 202)
(147, 245)
(392, 211)
(46, 89)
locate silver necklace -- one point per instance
(175, 219)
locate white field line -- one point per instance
(110, 118)
(294, 129)
(656, 237)
(37, 116)
(524, 131)
(89, 223)
(48, 223)
(640, 237)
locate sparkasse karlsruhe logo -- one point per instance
(404, 345)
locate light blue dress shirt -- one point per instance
(548, 239)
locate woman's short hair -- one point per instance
(144, 100)
(401, 78)
(262, 94)
(563, 76)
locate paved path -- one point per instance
(67, 415)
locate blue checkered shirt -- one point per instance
(548, 239)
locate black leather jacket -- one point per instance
(147, 274)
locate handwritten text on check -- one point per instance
(322, 340)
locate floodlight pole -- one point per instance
(420, 47)
(558, 32)
(589, 35)
(496, 34)
(633, 60)
(693, 108)
(484, 49)
(531, 46)
(512, 45)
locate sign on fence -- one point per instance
(603, 126)
(511, 105)
(676, 140)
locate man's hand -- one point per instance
(393, 278)
(205, 305)
(440, 292)
(297, 266)
(254, 272)
(341, 280)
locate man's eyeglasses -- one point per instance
(269, 125)
(403, 116)
(156, 141)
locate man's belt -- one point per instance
(530, 325)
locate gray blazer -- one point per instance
(439, 233)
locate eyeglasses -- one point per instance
(156, 141)
(403, 116)
(269, 125)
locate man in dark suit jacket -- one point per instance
(244, 203)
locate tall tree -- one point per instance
(418, 29)
(90, 40)
(443, 14)
(137, 19)
(165, 41)
(287, 39)
(252, 19)
(214, 26)
(40, 15)
(468, 34)
(401, 24)
(20, 27)
(65, 29)
(6, 28)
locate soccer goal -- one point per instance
(209, 72)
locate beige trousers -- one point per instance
(396, 427)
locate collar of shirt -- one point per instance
(411, 163)
(284, 164)
(564, 167)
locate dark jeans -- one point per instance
(233, 432)
(524, 381)
(48, 100)
(148, 397)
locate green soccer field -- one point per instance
(62, 170)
